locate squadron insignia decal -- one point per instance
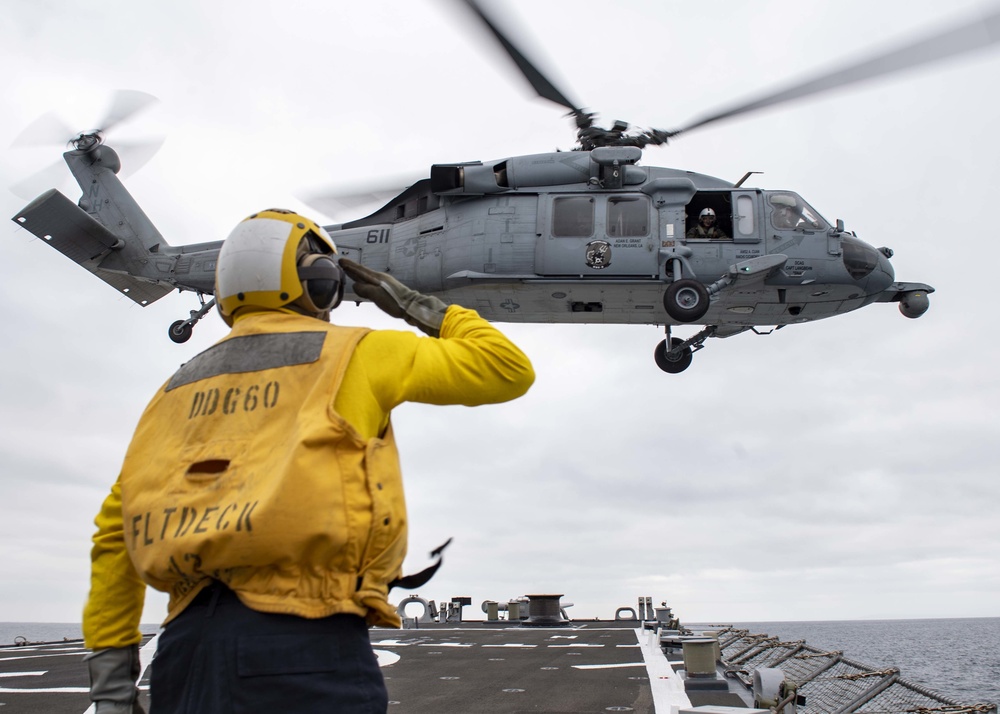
(598, 255)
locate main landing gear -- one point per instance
(677, 357)
(181, 330)
(686, 300)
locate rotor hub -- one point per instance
(87, 141)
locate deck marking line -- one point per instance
(47, 690)
(576, 645)
(11, 659)
(385, 657)
(667, 688)
(616, 665)
(23, 674)
(512, 644)
(11, 650)
(146, 654)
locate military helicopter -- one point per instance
(582, 236)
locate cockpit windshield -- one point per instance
(790, 213)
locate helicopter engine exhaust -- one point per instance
(913, 304)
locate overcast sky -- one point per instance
(844, 469)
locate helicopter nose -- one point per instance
(870, 268)
(883, 275)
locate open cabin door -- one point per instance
(733, 236)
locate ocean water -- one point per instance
(958, 658)
(47, 631)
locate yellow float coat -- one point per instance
(268, 463)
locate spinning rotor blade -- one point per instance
(51, 176)
(124, 104)
(334, 201)
(975, 34)
(46, 130)
(538, 81)
(136, 154)
(49, 130)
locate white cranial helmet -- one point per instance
(274, 259)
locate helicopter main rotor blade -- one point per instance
(976, 34)
(535, 77)
(335, 201)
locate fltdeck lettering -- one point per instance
(173, 522)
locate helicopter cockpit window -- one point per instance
(790, 213)
(628, 216)
(573, 216)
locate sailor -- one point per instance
(262, 487)
(706, 228)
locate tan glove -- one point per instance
(113, 674)
(422, 311)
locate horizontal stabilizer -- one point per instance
(74, 233)
(136, 289)
(67, 228)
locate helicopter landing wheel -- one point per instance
(180, 331)
(669, 364)
(686, 300)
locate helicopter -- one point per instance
(582, 236)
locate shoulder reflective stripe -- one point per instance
(251, 353)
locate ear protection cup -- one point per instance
(322, 282)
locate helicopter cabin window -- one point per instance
(628, 216)
(573, 216)
(790, 213)
(709, 216)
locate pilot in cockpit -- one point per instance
(785, 218)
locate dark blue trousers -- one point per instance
(221, 657)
